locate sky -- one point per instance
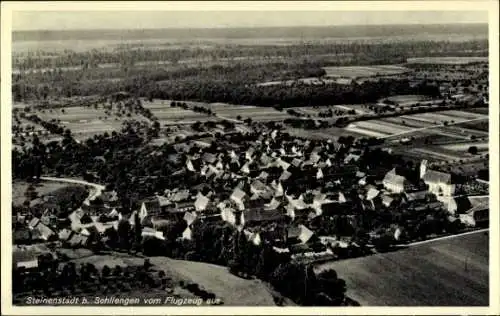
(66, 20)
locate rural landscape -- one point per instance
(267, 166)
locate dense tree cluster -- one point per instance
(337, 52)
(53, 280)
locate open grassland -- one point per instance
(484, 110)
(410, 98)
(216, 279)
(342, 110)
(43, 188)
(28, 127)
(234, 291)
(446, 60)
(469, 168)
(479, 127)
(434, 154)
(85, 122)
(323, 133)
(451, 272)
(168, 115)
(162, 109)
(257, 114)
(364, 71)
(463, 147)
(306, 81)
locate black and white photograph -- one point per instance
(164, 157)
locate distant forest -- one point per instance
(263, 32)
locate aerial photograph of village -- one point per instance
(215, 162)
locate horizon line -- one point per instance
(249, 27)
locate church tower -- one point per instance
(423, 168)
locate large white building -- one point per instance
(438, 182)
(394, 182)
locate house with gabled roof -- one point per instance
(281, 163)
(245, 168)
(298, 234)
(229, 214)
(272, 205)
(260, 216)
(476, 216)
(319, 174)
(253, 237)
(351, 158)
(250, 153)
(285, 175)
(260, 189)
(190, 166)
(209, 158)
(239, 197)
(34, 222)
(439, 183)
(297, 208)
(371, 193)
(64, 234)
(417, 196)
(296, 162)
(190, 217)
(150, 232)
(263, 176)
(79, 240)
(314, 158)
(387, 200)
(46, 233)
(201, 203)
(394, 182)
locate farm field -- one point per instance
(442, 144)
(415, 124)
(446, 60)
(314, 111)
(437, 154)
(484, 110)
(468, 129)
(481, 147)
(308, 81)
(482, 126)
(232, 111)
(323, 133)
(469, 168)
(450, 272)
(85, 122)
(364, 71)
(168, 115)
(410, 98)
(359, 108)
(33, 128)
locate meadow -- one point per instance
(85, 122)
(43, 188)
(451, 272)
(231, 289)
(446, 60)
(364, 71)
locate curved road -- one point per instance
(97, 188)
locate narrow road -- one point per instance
(228, 119)
(97, 188)
(431, 127)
